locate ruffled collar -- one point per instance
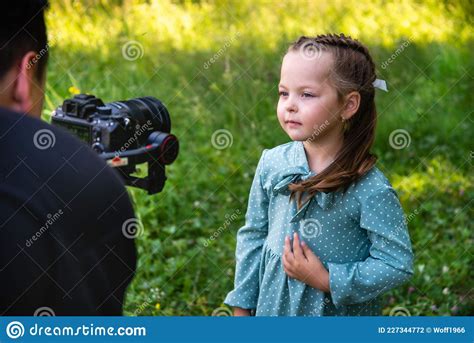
(299, 171)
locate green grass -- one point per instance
(430, 86)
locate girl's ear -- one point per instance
(352, 104)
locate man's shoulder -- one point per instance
(23, 134)
(46, 149)
(38, 159)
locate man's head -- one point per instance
(23, 55)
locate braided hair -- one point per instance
(353, 70)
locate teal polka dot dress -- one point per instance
(360, 236)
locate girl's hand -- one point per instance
(241, 312)
(302, 264)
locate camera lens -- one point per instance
(146, 109)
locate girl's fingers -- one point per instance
(306, 250)
(310, 255)
(287, 248)
(286, 265)
(296, 246)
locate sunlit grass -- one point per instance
(187, 25)
(436, 176)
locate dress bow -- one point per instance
(294, 175)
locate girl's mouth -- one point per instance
(292, 123)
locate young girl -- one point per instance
(324, 232)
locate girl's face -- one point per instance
(308, 107)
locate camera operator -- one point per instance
(63, 211)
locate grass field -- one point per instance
(216, 67)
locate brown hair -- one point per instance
(353, 70)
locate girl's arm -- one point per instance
(390, 262)
(241, 312)
(250, 239)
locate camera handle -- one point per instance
(153, 182)
(167, 147)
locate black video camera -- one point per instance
(125, 134)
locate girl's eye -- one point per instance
(308, 95)
(282, 93)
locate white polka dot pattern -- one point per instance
(360, 236)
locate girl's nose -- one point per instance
(291, 106)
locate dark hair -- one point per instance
(353, 70)
(23, 29)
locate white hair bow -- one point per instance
(380, 84)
